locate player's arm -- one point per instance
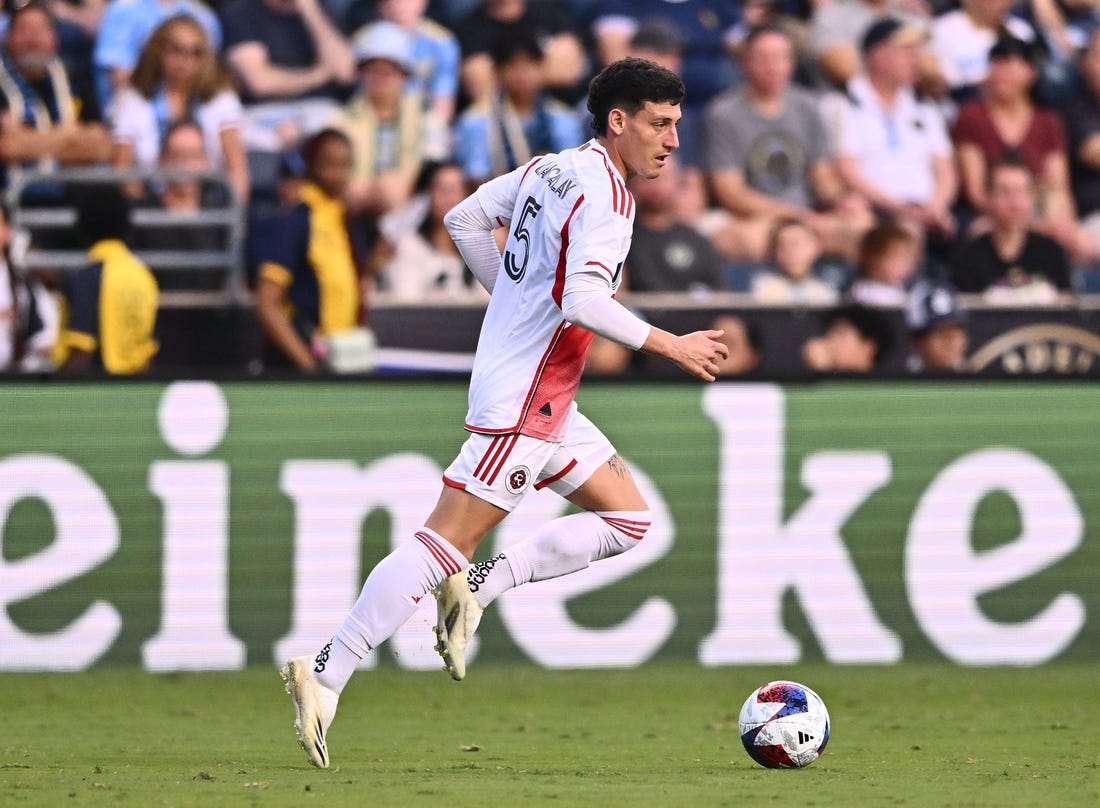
(471, 230)
(472, 221)
(587, 302)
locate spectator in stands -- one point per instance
(178, 76)
(126, 27)
(888, 258)
(113, 301)
(854, 339)
(744, 342)
(47, 115)
(424, 264)
(309, 287)
(666, 254)
(185, 199)
(1082, 120)
(565, 62)
(1012, 262)
(29, 315)
(893, 148)
(767, 157)
(961, 40)
(434, 59)
(292, 64)
(1004, 121)
(789, 277)
(385, 122)
(835, 31)
(936, 321)
(606, 357)
(518, 120)
(709, 29)
(265, 222)
(77, 27)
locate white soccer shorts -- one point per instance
(501, 469)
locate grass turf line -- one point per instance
(664, 734)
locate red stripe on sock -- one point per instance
(448, 564)
(633, 528)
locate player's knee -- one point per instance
(627, 528)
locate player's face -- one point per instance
(648, 138)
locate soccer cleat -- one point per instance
(458, 616)
(314, 707)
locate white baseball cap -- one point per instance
(384, 40)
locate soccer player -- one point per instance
(569, 219)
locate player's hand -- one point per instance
(699, 353)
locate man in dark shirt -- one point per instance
(285, 49)
(1082, 119)
(497, 20)
(667, 255)
(46, 115)
(1012, 263)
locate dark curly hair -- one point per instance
(628, 84)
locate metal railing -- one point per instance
(48, 212)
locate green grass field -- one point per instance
(664, 734)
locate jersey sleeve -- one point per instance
(498, 196)
(599, 239)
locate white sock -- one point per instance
(390, 596)
(557, 548)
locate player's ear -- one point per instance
(616, 120)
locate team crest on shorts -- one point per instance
(517, 479)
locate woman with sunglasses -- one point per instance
(178, 77)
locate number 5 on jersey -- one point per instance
(522, 235)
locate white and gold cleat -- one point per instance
(458, 615)
(314, 707)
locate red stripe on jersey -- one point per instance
(621, 197)
(532, 164)
(568, 468)
(446, 563)
(559, 271)
(503, 457)
(447, 481)
(538, 375)
(500, 222)
(601, 266)
(557, 384)
(493, 446)
(629, 204)
(633, 529)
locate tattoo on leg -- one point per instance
(618, 466)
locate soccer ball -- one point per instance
(784, 725)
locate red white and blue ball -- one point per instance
(784, 725)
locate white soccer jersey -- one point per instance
(567, 214)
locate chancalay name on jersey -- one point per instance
(555, 177)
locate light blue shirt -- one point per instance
(473, 147)
(126, 26)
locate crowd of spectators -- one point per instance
(862, 154)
